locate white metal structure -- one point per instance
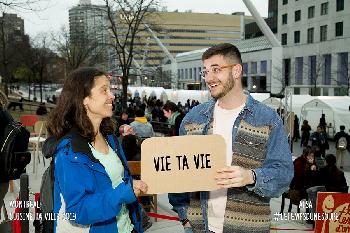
(276, 84)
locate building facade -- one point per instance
(88, 28)
(13, 27)
(315, 38)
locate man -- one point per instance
(141, 126)
(259, 161)
(319, 140)
(342, 142)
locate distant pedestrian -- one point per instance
(296, 134)
(323, 123)
(305, 135)
(342, 143)
(320, 141)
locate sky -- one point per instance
(55, 14)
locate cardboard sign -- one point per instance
(337, 207)
(182, 164)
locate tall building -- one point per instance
(13, 27)
(88, 27)
(315, 40)
(186, 31)
(252, 30)
(315, 37)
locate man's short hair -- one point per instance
(342, 127)
(226, 49)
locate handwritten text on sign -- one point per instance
(182, 164)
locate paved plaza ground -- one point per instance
(164, 208)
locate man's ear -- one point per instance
(237, 70)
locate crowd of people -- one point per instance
(90, 152)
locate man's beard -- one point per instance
(227, 87)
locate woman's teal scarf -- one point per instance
(172, 118)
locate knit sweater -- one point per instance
(246, 211)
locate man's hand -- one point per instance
(139, 187)
(233, 176)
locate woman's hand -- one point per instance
(139, 187)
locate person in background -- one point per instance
(123, 118)
(141, 126)
(319, 139)
(91, 174)
(323, 123)
(179, 201)
(342, 143)
(296, 134)
(305, 135)
(5, 118)
(174, 116)
(305, 172)
(331, 177)
(258, 159)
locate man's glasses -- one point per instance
(214, 70)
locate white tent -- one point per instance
(335, 108)
(274, 103)
(134, 91)
(297, 103)
(182, 96)
(260, 96)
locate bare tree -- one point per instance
(126, 19)
(20, 5)
(75, 54)
(12, 6)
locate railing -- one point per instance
(18, 109)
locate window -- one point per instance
(297, 37)
(324, 8)
(286, 71)
(195, 73)
(284, 19)
(312, 70)
(297, 15)
(311, 12)
(326, 71)
(340, 5)
(253, 69)
(310, 35)
(263, 67)
(323, 33)
(285, 2)
(245, 68)
(342, 77)
(284, 38)
(299, 70)
(339, 29)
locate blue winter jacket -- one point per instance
(89, 198)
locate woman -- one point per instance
(179, 201)
(305, 172)
(92, 182)
(174, 115)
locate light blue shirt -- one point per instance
(115, 171)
